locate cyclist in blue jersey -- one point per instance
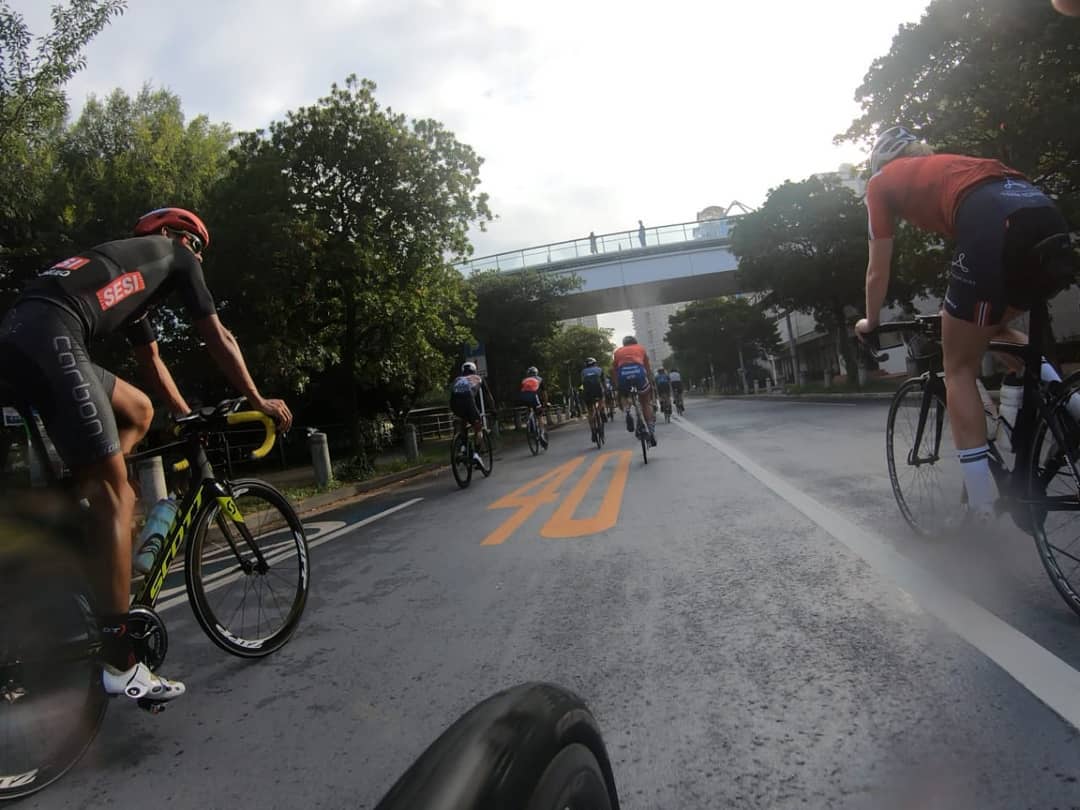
(465, 397)
(592, 386)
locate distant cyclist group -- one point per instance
(631, 374)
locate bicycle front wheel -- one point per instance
(1054, 496)
(247, 572)
(51, 696)
(461, 462)
(925, 474)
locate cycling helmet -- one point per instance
(531, 371)
(468, 368)
(629, 340)
(889, 145)
(590, 361)
(661, 370)
(175, 219)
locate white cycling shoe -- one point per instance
(139, 683)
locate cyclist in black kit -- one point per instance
(92, 416)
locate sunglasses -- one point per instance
(195, 243)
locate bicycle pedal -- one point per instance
(151, 706)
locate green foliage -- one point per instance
(565, 352)
(992, 78)
(708, 335)
(516, 313)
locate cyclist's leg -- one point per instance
(134, 413)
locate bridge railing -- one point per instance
(616, 242)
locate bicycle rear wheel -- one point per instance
(533, 436)
(51, 696)
(248, 603)
(487, 453)
(1052, 481)
(926, 480)
(461, 463)
(601, 438)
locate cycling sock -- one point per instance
(981, 491)
(116, 646)
(1048, 374)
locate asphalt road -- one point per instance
(747, 616)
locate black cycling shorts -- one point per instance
(43, 359)
(529, 399)
(997, 224)
(463, 404)
(592, 393)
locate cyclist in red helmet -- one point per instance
(93, 417)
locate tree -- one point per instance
(992, 78)
(343, 221)
(516, 313)
(564, 353)
(719, 336)
(32, 110)
(807, 246)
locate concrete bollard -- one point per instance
(320, 458)
(151, 474)
(827, 378)
(412, 446)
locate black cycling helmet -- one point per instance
(629, 340)
(532, 371)
(590, 361)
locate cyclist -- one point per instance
(631, 368)
(592, 385)
(663, 389)
(465, 394)
(996, 216)
(93, 417)
(533, 396)
(676, 388)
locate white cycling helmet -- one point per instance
(468, 368)
(889, 145)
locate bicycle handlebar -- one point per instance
(240, 418)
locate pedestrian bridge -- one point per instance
(631, 269)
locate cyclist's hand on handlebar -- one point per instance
(277, 410)
(863, 327)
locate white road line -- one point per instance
(325, 537)
(1038, 670)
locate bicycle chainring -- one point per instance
(148, 636)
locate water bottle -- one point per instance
(1012, 394)
(152, 537)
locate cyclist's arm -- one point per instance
(227, 355)
(877, 278)
(158, 377)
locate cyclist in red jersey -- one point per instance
(995, 215)
(93, 417)
(631, 368)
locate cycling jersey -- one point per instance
(663, 382)
(467, 384)
(592, 382)
(676, 378)
(634, 353)
(112, 286)
(532, 384)
(926, 191)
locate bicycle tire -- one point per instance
(275, 527)
(533, 437)
(487, 453)
(516, 749)
(601, 435)
(55, 667)
(461, 464)
(1062, 565)
(916, 488)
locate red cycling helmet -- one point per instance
(176, 219)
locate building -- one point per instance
(591, 321)
(650, 329)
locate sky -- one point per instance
(589, 114)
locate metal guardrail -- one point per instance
(615, 242)
(439, 423)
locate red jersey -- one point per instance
(925, 191)
(634, 353)
(531, 384)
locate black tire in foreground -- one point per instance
(533, 747)
(461, 462)
(533, 437)
(248, 607)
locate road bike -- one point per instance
(597, 418)
(641, 429)
(466, 455)
(533, 747)
(245, 574)
(1041, 492)
(535, 433)
(679, 406)
(665, 407)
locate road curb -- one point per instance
(869, 396)
(325, 500)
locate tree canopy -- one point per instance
(707, 336)
(566, 350)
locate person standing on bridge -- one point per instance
(641, 232)
(592, 242)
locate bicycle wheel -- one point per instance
(1052, 481)
(601, 438)
(51, 696)
(926, 480)
(487, 453)
(643, 435)
(461, 462)
(248, 604)
(533, 436)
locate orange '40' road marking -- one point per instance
(563, 524)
